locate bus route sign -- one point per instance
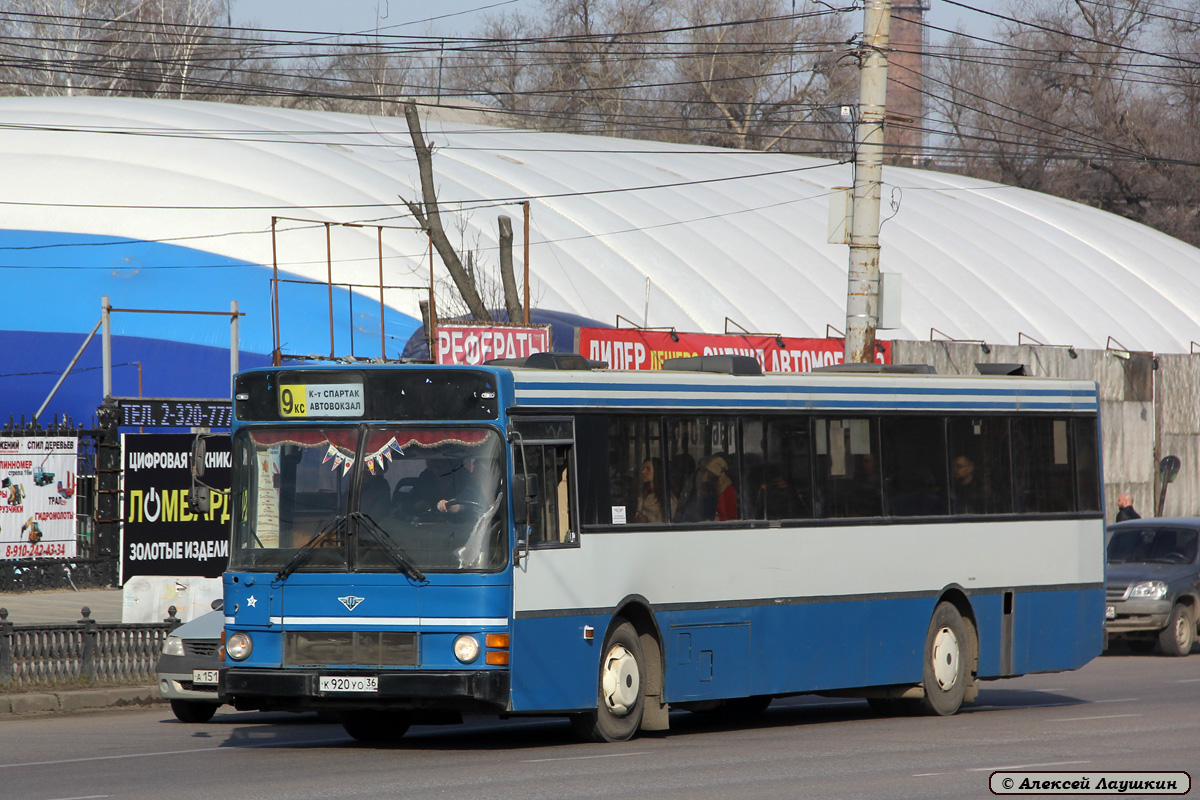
(297, 400)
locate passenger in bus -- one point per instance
(419, 496)
(698, 499)
(967, 493)
(776, 499)
(721, 489)
(651, 503)
(466, 489)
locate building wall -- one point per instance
(1177, 385)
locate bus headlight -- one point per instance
(238, 646)
(1149, 590)
(466, 648)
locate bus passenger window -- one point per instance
(550, 522)
(1045, 475)
(914, 460)
(1087, 464)
(637, 477)
(783, 486)
(847, 467)
(704, 469)
(980, 465)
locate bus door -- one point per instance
(553, 666)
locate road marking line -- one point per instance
(1089, 719)
(1025, 766)
(174, 753)
(583, 758)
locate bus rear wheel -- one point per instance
(619, 698)
(948, 659)
(375, 727)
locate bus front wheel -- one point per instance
(619, 698)
(948, 660)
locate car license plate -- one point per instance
(348, 683)
(204, 676)
(1110, 612)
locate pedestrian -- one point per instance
(1125, 508)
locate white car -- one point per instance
(188, 665)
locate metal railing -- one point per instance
(81, 654)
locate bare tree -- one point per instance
(512, 302)
(1076, 105)
(467, 279)
(750, 75)
(578, 65)
(147, 48)
(142, 48)
(725, 72)
(429, 217)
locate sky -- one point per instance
(461, 17)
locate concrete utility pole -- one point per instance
(862, 293)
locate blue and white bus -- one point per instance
(413, 542)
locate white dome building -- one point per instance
(169, 205)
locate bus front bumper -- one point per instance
(298, 690)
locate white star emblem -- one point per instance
(251, 601)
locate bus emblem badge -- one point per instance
(350, 601)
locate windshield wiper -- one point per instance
(394, 552)
(328, 531)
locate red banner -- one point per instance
(475, 344)
(631, 348)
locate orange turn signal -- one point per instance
(497, 658)
(497, 640)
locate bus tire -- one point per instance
(375, 727)
(619, 697)
(1176, 639)
(947, 661)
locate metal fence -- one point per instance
(79, 654)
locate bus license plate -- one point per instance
(344, 683)
(204, 676)
(1110, 612)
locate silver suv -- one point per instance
(188, 666)
(1153, 583)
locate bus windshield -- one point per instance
(368, 498)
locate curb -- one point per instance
(29, 703)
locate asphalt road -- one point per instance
(1117, 713)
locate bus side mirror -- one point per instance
(199, 499)
(199, 451)
(525, 496)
